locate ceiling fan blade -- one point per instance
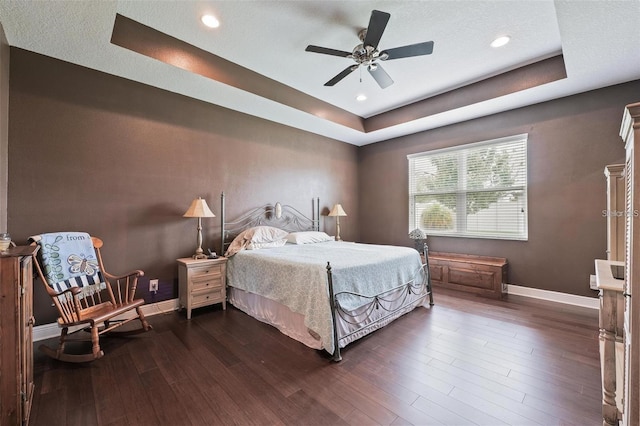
(327, 51)
(377, 24)
(417, 49)
(380, 75)
(343, 74)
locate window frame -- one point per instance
(461, 220)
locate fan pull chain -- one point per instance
(360, 70)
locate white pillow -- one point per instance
(264, 234)
(256, 236)
(308, 237)
(270, 244)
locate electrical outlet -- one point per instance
(593, 285)
(153, 286)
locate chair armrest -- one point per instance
(136, 273)
(72, 290)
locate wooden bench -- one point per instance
(482, 275)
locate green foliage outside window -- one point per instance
(437, 216)
(485, 169)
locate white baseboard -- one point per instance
(554, 296)
(47, 331)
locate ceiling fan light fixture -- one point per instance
(500, 41)
(210, 21)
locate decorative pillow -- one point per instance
(256, 236)
(308, 237)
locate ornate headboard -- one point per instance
(281, 216)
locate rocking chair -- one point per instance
(86, 296)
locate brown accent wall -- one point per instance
(4, 127)
(571, 140)
(123, 161)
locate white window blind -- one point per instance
(477, 190)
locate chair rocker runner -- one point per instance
(86, 296)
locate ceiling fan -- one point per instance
(367, 53)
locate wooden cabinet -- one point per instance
(482, 275)
(16, 335)
(619, 311)
(202, 282)
(630, 133)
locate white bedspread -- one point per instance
(296, 276)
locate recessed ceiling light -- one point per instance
(361, 98)
(500, 41)
(210, 21)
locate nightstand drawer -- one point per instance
(207, 297)
(196, 272)
(208, 281)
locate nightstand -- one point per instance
(202, 282)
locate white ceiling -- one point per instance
(600, 41)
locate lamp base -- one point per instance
(199, 256)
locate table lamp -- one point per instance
(199, 209)
(419, 237)
(337, 211)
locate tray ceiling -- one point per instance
(557, 48)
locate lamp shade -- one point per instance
(337, 210)
(199, 208)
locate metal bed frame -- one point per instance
(292, 220)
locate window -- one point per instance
(477, 190)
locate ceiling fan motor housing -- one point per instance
(366, 53)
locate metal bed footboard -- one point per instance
(419, 285)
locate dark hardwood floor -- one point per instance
(466, 361)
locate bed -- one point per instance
(284, 271)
